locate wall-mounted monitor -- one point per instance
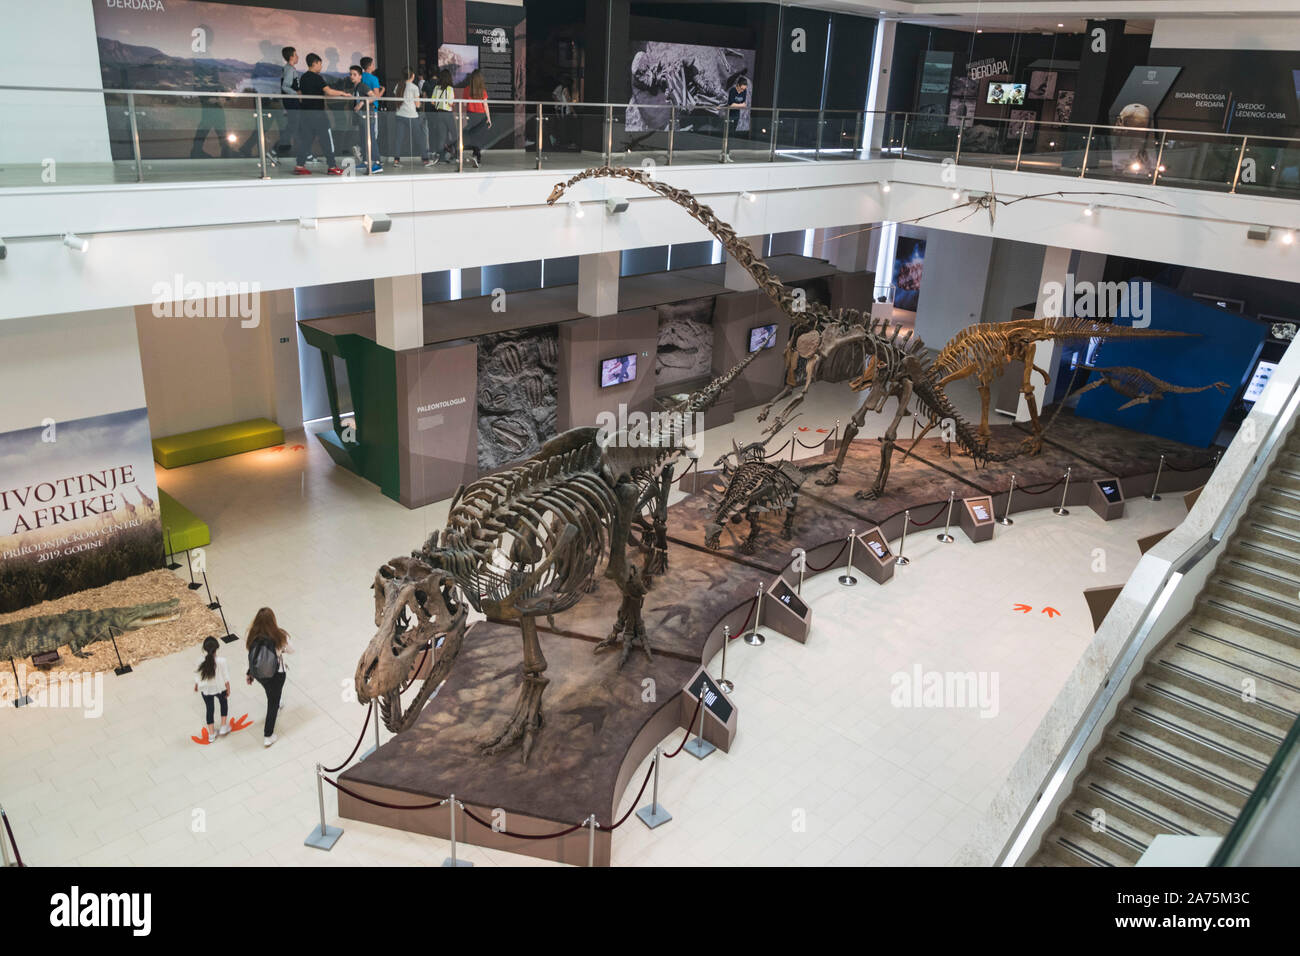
(1258, 379)
(1281, 328)
(617, 370)
(1232, 305)
(1007, 94)
(762, 337)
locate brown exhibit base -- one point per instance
(601, 722)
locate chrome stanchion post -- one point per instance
(1064, 491)
(771, 150)
(370, 138)
(946, 538)
(539, 135)
(654, 815)
(591, 839)
(460, 136)
(803, 567)
(821, 126)
(699, 748)
(261, 138)
(1155, 485)
(902, 560)
(135, 137)
(794, 438)
(753, 637)
(609, 133)
(847, 579)
(452, 860)
(726, 685)
(323, 837)
(1006, 515)
(22, 700)
(672, 132)
(726, 133)
(5, 862)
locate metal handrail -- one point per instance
(1015, 847)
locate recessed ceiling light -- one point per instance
(576, 208)
(1288, 237)
(884, 187)
(1060, 24)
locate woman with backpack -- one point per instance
(213, 683)
(267, 644)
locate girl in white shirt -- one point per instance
(213, 684)
(409, 126)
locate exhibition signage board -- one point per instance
(720, 713)
(1106, 497)
(872, 555)
(977, 518)
(785, 612)
(78, 507)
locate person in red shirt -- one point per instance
(480, 115)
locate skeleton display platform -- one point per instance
(598, 724)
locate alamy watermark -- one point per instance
(958, 690)
(82, 691)
(192, 299)
(636, 429)
(1099, 300)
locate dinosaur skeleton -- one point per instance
(527, 541)
(1138, 386)
(985, 349)
(894, 362)
(754, 486)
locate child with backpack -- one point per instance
(267, 643)
(213, 683)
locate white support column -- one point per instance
(280, 316)
(882, 55)
(1056, 268)
(399, 312)
(598, 283)
(734, 276)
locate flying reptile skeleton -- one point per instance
(527, 541)
(891, 361)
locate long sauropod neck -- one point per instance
(781, 294)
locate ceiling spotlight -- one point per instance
(1091, 210)
(1135, 166)
(576, 208)
(230, 137)
(884, 187)
(748, 196)
(956, 195)
(73, 241)
(1288, 237)
(376, 222)
(979, 30)
(305, 223)
(1060, 24)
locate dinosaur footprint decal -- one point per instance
(240, 723)
(202, 738)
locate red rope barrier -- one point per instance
(689, 724)
(834, 561)
(639, 794)
(12, 842)
(380, 803)
(1042, 491)
(369, 713)
(753, 602)
(521, 836)
(1210, 463)
(816, 444)
(922, 524)
(773, 454)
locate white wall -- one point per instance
(201, 372)
(67, 367)
(952, 284)
(47, 43)
(1234, 33)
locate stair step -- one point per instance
(1102, 790)
(1088, 849)
(1121, 845)
(1051, 855)
(1275, 515)
(1249, 620)
(1234, 730)
(1282, 606)
(1178, 756)
(1257, 576)
(1259, 554)
(1266, 531)
(1210, 813)
(1209, 662)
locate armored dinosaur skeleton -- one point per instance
(754, 486)
(527, 541)
(893, 362)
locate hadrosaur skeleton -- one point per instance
(984, 350)
(527, 541)
(893, 362)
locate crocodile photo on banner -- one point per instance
(78, 507)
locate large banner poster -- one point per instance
(909, 264)
(693, 78)
(78, 507)
(220, 47)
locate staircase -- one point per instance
(1184, 750)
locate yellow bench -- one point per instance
(181, 527)
(208, 443)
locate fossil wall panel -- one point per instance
(685, 341)
(516, 394)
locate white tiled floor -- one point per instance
(825, 770)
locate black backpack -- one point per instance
(263, 662)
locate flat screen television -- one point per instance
(617, 370)
(1232, 305)
(762, 337)
(1258, 379)
(1007, 94)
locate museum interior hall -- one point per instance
(620, 434)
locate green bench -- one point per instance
(208, 443)
(181, 527)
